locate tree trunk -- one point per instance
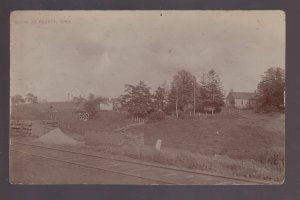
(176, 109)
(176, 102)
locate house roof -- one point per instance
(243, 95)
(76, 92)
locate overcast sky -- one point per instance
(99, 51)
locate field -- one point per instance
(238, 135)
(234, 143)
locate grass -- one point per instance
(28, 112)
(105, 121)
(235, 143)
(234, 135)
(68, 119)
(185, 159)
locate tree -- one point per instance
(116, 102)
(182, 92)
(92, 105)
(31, 98)
(137, 100)
(271, 88)
(17, 99)
(212, 91)
(160, 98)
(78, 100)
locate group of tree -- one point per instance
(184, 95)
(29, 98)
(187, 94)
(138, 100)
(271, 89)
(78, 100)
(92, 104)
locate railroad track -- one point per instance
(160, 174)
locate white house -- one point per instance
(241, 100)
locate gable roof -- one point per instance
(76, 92)
(243, 95)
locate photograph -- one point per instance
(147, 97)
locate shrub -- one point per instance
(209, 111)
(181, 114)
(156, 116)
(217, 110)
(91, 107)
(268, 109)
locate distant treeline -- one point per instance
(184, 94)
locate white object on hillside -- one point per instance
(108, 106)
(56, 136)
(158, 144)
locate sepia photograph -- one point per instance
(160, 97)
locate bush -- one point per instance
(91, 107)
(208, 111)
(156, 116)
(269, 109)
(217, 110)
(181, 114)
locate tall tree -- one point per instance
(160, 98)
(137, 100)
(182, 91)
(92, 105)
(212, 90)
(271, 88)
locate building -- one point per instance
(106, 106)
(241, 100)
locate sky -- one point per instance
(56, 52)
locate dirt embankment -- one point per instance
(57, 137)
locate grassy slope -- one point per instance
(105, 121)
(242, 136)
(247, 144)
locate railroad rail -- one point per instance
(143, 170)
